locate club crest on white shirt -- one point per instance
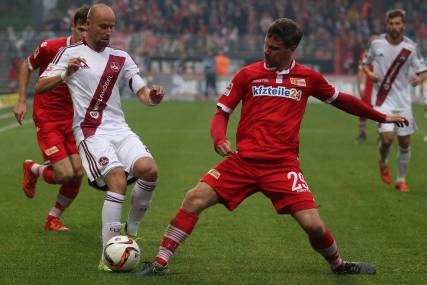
(114, 66)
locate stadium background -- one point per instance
(371, 221)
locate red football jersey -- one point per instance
(55, 105)
(273, 105)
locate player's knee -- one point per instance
(63, 176)
(146, 172)
(78, 173)
(315, 229)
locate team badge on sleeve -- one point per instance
(228, 90)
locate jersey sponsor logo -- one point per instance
(228, 90)
(114, 66)
(51, 150)
(103, 161)
(298, 82)
(279, 91)
(214, 173)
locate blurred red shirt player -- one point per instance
(53, 117)
(274, 94)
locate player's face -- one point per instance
(79, 32)
(395, 27)
(275, 52)
(101, 28)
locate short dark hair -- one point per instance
(395, 13)
(81, 15)
(287, 30)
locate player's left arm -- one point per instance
(419, 65)
(350, 104)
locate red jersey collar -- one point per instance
(283, 71)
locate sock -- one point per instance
(176, 232)
(111, 215)
(403, 157)
(362, 125)
(65, 197)
(43, 171)
(327, 247)
(384, 152)
(142, 195)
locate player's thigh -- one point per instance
(51, 142)
(233, 180)
(287, 188)
(130, 149)
(411, 128)
(77, 164)
(98, 157)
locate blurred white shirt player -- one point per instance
(392, 57)
(110, 151)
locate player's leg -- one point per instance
(362, 130)
(324, 243)
(403, 157)
(384, 144)
(145, 169)
(71, 168)
(425, 116)
(181, 226)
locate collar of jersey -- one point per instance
(283, 71)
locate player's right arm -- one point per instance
(367, 61)
(21, 105)
(226, 104)
(58, 71)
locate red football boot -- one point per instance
(29, 180)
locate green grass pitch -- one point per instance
(371, 221)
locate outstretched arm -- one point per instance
(21, 105)
(219, 133)
(355, 106)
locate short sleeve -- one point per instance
(39, 56)
(132, 75)
(235, 91)
(322, 89)
(58, 64)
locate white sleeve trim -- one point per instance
(29, 64)
(224, 108)
(333, 97)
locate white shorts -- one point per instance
(101, 153)
(404, 131)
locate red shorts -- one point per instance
(56, 141)
(234, 179)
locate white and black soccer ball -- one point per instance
(121, 253)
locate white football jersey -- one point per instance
(392, 63)
(94, 88)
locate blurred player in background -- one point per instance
(392, 56)
(274, 94)
(112, 154)
(364, 86)
(52, 115)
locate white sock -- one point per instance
(111, 215)
(142, 195)
(403, 157)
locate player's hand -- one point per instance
(373, 77)
(398, 120)
(20, 111)
(223, 148)
(156, 94)
(415, 80)
(74, 64)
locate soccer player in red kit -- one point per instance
(274, 94)
(53, 117)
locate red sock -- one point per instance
(65, 197)
(47, 175)
(327, 247)
(177, 231)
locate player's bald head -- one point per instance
(98, 11)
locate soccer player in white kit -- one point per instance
(110, 151)
(392, 56)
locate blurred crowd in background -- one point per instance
(168, 32)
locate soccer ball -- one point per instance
(121, 253)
